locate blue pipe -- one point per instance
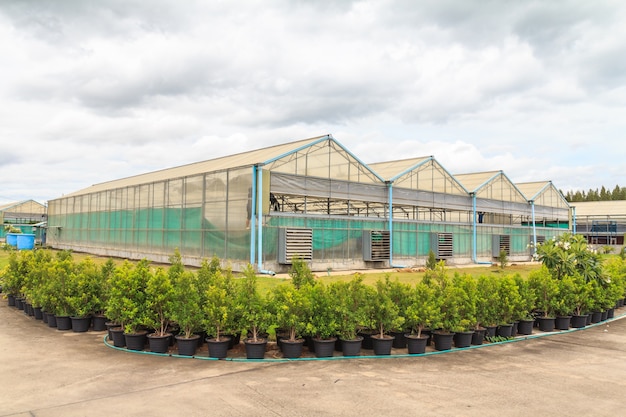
(474, 240)
(573, 220)
(532, 206)
(252, 219)
(259, 213)
(390, 204)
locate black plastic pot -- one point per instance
(478, 337)
(578, 322)
(382, 346)
(399, 341)
(443, 340)
(98, 323)
(505, 330)
(367, 339)
(218, 348)
(64, 323)
(416, 345)
(463, 339)
(490, 331)
(351, 347)
(292, 349)
(80, 324)
(562, 322)
(159, 344)
(117, 335)
(546, 324)
(187, 346)
(52, 320)
(596, 317)
(135, 341)
(525, 327)
(255, 350)
(324, 348)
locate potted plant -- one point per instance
(99, 288)
(486, 308)
(581, 301)
(466, 304)
(186, 312)
(385, 315)
(254, 314)
(507, 301)
(523, 311)
(219, 311)
(12, 279)
(323, 318)
(159, 299)
(350, 300)
(291, 309)
(114, 304)
(134, 304)
(546, 288)
(61, 270)
(83, 294)
(564, 302)
(421, 313)
(400, 295)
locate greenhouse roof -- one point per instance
(543, 193)
(391, 169)
(278, 157)
(26, 206)
(492, 185)
(424, 173)
(612, 208)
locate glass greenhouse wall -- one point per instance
(238, 209)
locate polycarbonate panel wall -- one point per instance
(201, 215)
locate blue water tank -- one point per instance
(12, 239)
(25, 241)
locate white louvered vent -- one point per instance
(376, 245)
(501, 243)
(442, 245)
(295, 242)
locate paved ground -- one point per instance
(45, 372)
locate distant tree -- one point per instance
(603, 194)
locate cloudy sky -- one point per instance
(92, 91)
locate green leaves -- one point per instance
(219, 307)
(350, 306)
(251, 306)
(291, 308)
(159, 299)
(423, 308)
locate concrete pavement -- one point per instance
(45, 372)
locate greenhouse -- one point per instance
(313, 199)
(601, 222)
(25, 215)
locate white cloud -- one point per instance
(94, 91)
